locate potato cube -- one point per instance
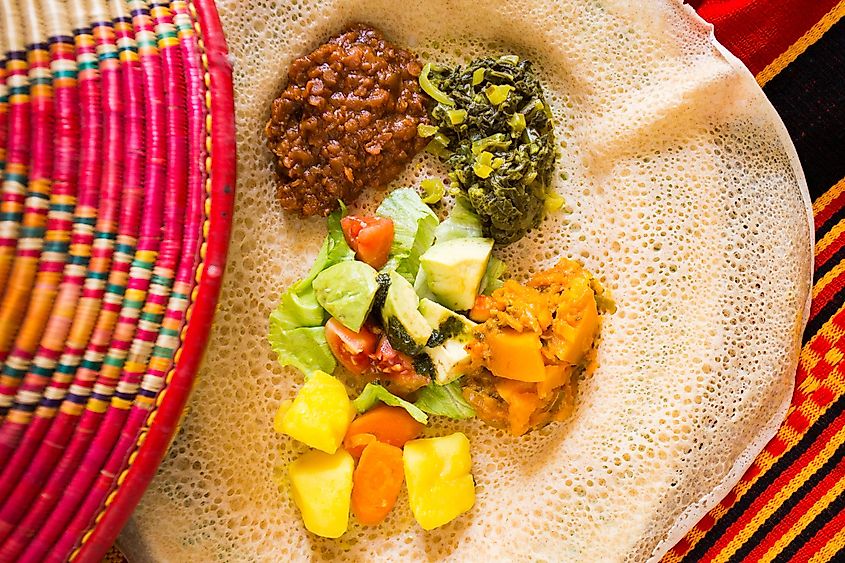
(322, 489)
(437, 472)
(320, 413)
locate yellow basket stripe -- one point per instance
(805, 520)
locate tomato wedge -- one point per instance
(352, 349)
(396, 370)
(369, 237)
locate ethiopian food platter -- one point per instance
(508, 281)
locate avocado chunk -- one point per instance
(406, 328)
(346, 290)
(449, 358)
(454, 270)
(436, 315)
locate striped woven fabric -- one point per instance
(790, 505)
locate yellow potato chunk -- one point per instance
(440, 485)
(280, 416)
(322, 489)
(320, 413)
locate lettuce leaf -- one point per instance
(462, 222)
(298, 309)
(444, 400)
(337, 250)
(304, 348)
(372, 394)
(492, 279)
(298, 305)
(413, 226)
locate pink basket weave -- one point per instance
(117, 162)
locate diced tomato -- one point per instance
(369, 237)
(480, 311)
(396, 369)
(353, 350)
(351, 225)
(374, 242)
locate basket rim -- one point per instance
(148, 456)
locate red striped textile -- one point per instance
(758, 31)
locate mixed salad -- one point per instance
(382, 300)
(416, 314)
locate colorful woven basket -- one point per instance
(117, 161)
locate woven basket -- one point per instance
(117, 161)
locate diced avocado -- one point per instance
(346, 290)
(455, 268)
(406, 328)
(436, 314)
(449, 356)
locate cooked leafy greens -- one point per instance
(434, 190)
(494, 129)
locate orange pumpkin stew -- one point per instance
(535, 338)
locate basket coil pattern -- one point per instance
(117, 170)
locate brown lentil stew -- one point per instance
(346, 120)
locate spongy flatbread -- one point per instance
(686, 199)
